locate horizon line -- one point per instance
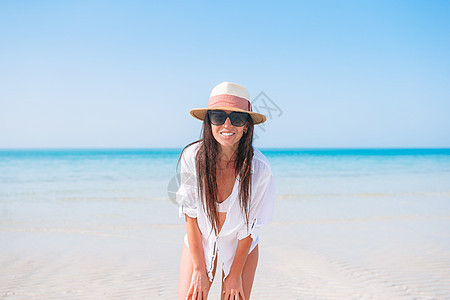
(266, 148)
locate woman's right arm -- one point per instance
(195, 243)
(200, 282)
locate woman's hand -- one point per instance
(199, 286)
(232, 288)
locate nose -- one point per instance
(227, 122)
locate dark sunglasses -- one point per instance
(218, 117)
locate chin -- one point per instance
(228, 143)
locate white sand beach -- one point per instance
(109, 250)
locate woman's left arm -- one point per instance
(233, 282)
(261, 211)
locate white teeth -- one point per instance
(227, 133)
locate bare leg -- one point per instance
(186, 269)
(248, 273)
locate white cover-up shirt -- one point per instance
(234, 228)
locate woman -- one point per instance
(226, 194)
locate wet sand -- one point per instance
(326, 251)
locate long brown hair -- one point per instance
(206, 167)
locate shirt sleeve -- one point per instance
(262, 205)
(187, 192)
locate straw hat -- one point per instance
(229, 96)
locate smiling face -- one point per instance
(227, 135)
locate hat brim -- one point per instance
(200, 113)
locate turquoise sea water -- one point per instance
(348, 224)
(37, 178)
(31, 175)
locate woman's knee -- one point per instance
(186, 269)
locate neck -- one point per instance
(227, 154)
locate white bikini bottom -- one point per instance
(254, 243)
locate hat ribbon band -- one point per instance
(229, 100)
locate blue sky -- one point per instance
(78, 74)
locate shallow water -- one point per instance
(349, 224)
